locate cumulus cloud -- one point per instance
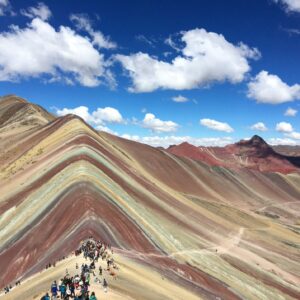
(97, 118)
(157, 125)
(216, 125)
(180, 98)
(290, 5)
(284, 127)
(81, 111)
(259, 126)
(41, 11)
(207, 57)
(107, 115)
(268, 88)
(166, 141)
(294, 135)
(82, 22)
(290, 112)
(39, 50)
(4, 7)
(282, 141)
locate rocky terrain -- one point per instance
(185, 223)
(287, 150)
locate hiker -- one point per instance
(62, 289)
(68, 295)
(105, 285)
(54, 290)
(72, 288)
(93, 297)
(113, 274)
(46, 297)
(78, 293)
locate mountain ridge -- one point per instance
(211, 231)
(254, 153)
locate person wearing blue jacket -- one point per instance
(46, 297)
(54, 290)
(62, 290)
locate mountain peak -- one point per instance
(256, 141)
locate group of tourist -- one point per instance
(9, 287)
(77, 287)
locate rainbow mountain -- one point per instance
(182, 227)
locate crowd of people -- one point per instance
(78, 287)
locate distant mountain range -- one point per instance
(253, 154)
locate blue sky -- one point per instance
(210, 72)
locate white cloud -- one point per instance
(4, 7)
(81, 111)
(294, 135)
(216, 125)
(180, 98)
(82, 22)
(207, 57)
(41, 11)
(107, 115)
(259, 126)
(157, 125)
(105, 129)
(97, 118)
(166, 141)
(290, 112)
(268, 88)
(284, 127)
(282, 141)
(290, 5)
(39, 49)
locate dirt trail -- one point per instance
(226, 245)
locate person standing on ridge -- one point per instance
(105, 285)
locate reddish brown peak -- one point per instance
(188, 150)
(184, 145)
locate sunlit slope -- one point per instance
(211, 230)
